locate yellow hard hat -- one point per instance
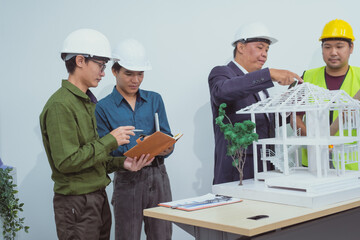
(337, 29)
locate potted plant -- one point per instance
(239, 137)
(10, 206)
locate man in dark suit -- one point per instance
(239, 84)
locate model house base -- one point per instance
(258, 190)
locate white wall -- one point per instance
(184, 39)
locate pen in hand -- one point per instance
(137, 130)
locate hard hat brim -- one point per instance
(332, 37)
(76, 53)
(134, 68)
(271, 39)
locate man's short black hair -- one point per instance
(116, 67)
(337, 39)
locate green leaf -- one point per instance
(219, 120)
(10, 206)
(233, 164)
(222, 109)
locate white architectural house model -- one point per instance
(327, 153)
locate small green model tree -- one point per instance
(239, 137)
(10, 206)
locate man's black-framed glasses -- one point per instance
(101, 65)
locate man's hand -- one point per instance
(122, 134)
(132, 164)
(166, 151)
(284, 77)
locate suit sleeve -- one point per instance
(225, 86)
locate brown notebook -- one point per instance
(153, 144)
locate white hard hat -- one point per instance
(253, 31)
(87, 41)
(131, 55)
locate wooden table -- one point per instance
(285, 222)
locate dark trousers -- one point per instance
(82, 217)
(134, 192)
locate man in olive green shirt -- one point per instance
(79, 159)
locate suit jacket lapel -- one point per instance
(238, 72)
(235, 69)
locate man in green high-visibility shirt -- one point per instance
(337, 43)
(78, 158)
